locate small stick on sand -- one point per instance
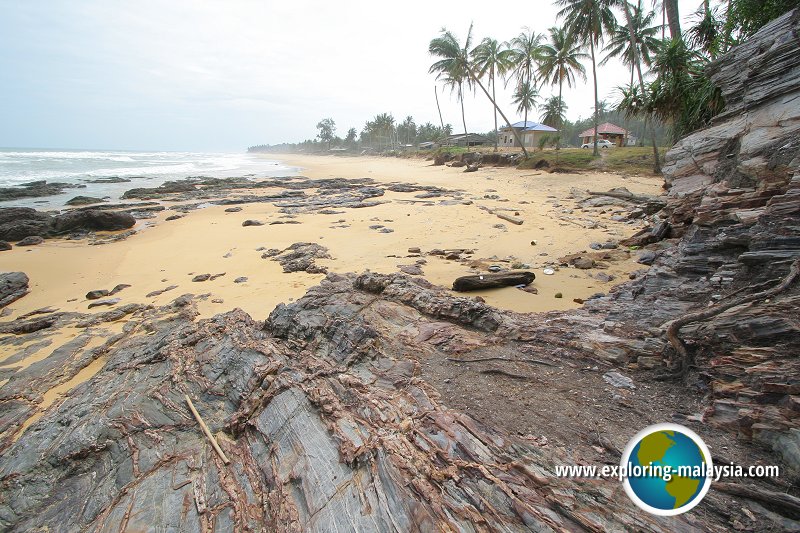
(206, 430)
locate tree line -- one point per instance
(669, 94)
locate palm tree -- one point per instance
(525, 97)
(646, 37)
(526, 49)
(450, 69)
(554, 111)
(495, 59)
(561, 62)
(455, 58)
(590, 19)
(639, 45)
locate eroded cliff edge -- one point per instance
(336, 411)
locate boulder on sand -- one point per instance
(13, 286)
(92, 220)
(16, 223)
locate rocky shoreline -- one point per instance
(381, 402)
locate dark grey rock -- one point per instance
(646, 257)
(32, 240)
(91, 220)
(247, 223)
(97, 294)
(84, 200)
(5, 246)
(13, 286)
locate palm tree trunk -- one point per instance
(494, 103)
(494, 97)
(673, 16)
(560, 110)
(595, 152)
(436, 93)
(638, 64)
(463, 116)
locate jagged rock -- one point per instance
(240, 279)
(32, 240)
(16, 223)
(83, 200)
(5, 246)
(35, 189)
(13, 286)
(168, 187)
(583, 263)
(646, 257)
(364, 447)
(247, 223)
(201, 277)
(301, 256)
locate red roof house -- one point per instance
(608, 131)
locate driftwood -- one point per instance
(507, 218)
(673, 327)
(207, 432)
(780, 500)
(492, 281)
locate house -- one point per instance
(530, 133)
(608, 131)
(468, 139)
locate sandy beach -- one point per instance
(170, 253)
(160, 261)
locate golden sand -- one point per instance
(171, 253)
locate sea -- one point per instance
(143, 169)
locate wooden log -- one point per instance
(492, 281)
(510, 218)
(207, 432)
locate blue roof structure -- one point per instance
(532, 126)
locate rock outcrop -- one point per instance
(13, 286)
(17, 223)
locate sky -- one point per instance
(224, 75)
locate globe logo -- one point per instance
(667, 468)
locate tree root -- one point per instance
(680, 368)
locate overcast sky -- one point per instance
(194, 75)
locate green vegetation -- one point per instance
(626, 160)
